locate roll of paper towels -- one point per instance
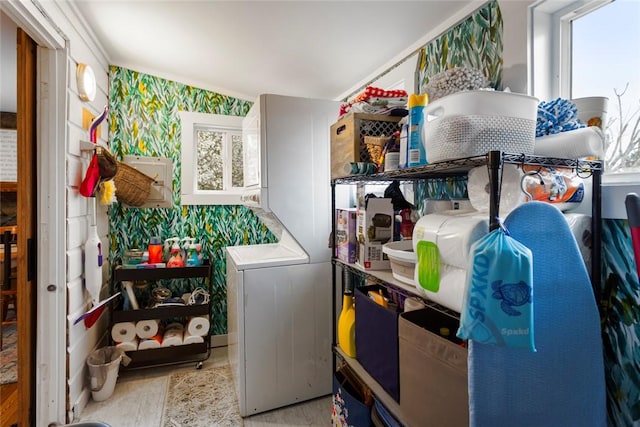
(147, 328)
(573, 144)
(453, 235)
(153, 342)
(198, 325)
(128, 345)
(173, 335)
(511, 195)
(124, 331)
(191, 339)
(452, 287)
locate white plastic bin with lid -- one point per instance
(104, 365)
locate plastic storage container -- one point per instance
(402, 259)
(472, 123)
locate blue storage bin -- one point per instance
(377, 340)
(346, 408)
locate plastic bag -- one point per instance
(560, 186)
(498, 303)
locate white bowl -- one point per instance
(402, 259)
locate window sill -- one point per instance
(615, 188)
(211, 199)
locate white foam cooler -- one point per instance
(472, 123)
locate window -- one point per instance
(605, 62)
(589, 48)
(211, 159)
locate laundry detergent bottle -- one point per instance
(347, 325)
(416, 154)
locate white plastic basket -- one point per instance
(471, 123)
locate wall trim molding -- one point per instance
(219, 340)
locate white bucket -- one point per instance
(104, 365)
(592, 110)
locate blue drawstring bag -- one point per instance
(498, 304)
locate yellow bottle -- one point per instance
(347, 325)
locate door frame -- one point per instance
(50, 292)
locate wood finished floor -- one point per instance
(147, 408)
(8, 404)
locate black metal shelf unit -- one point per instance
(494, 160)
(165, 355)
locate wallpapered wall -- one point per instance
(144, 121)
(475, 42)
(621, 324)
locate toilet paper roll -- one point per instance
(128, 345)
(191, 339)
(123, 331)
(511, 195)
(573, 144)
(147, 328)
(198, 325)
(453, 235)
(153, 342)
(172, 335)
(580, 225)
(452, 287)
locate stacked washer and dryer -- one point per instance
(279, 295)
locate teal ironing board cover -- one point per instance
(562, 384)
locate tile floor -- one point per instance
(139, 396)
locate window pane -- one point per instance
(209, 158)
(237, 179)
(605, 62)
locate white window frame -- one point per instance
(549, 77)
(549, 45)
(189, 193)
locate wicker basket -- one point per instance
(375, 145)
(132, 186)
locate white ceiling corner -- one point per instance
(316, 49)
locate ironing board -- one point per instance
(562, 384)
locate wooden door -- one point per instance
(27, 201)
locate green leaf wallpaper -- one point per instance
(476, 42)
(620, 312)
(144, 121)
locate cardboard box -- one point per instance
(347, 138)
(346, 241)
(374, 229)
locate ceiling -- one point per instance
(317, 49)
